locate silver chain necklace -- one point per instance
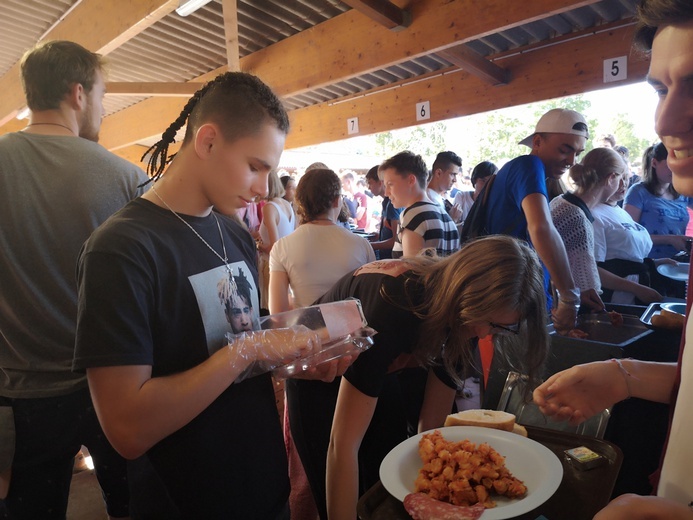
(224, 258)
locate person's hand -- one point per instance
(581, 392)
(328, 371)
(455, 213)
(680, 242)
(563, 317)
(665, 261)
(274, 345)
(647, 294)
(635, 507)
(590, 299)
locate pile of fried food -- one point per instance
(616, 320)
(464, 474)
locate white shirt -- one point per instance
(617, 235)
(315, 256)
(676, 481)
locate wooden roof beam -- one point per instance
(382, 12)
(569, 67)
(99, 26)
(233, 57)
(476, 64)
(345, 46)
(161, 89)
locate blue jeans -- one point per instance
(49, 433)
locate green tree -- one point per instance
(425, 140)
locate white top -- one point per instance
(617, 235)
(316, 256)
(436, 197)
(464, 200)
(676, 481)
(578, 236)
(286, 223)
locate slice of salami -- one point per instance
(422, 507)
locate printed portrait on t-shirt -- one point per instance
(228, 302)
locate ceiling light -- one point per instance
(187, 7)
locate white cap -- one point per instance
(559, 121)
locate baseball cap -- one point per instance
(559, 121)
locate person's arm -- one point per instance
(412, 243)
(390, 242)
(616, 283)
(279, 292)
(583, 391)
(678, 242)
(550, 248)
(352, 417)
(633, 211)
(137, 410)
(270, 218)
(636, 507)
(437, 403)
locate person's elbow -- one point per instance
(126, 441)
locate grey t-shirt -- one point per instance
(54, 191)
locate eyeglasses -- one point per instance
(505, 329)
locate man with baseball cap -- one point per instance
(518, 202)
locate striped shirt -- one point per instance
(431, 222)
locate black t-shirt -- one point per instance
(152, 293)
(388, 292)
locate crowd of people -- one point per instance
(144, 357)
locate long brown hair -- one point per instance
(489, 274)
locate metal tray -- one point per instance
(600, 330)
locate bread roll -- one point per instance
(484, 418)
(668, 320)
(520, 430)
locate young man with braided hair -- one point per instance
(56, 186)
(151, 327)
(666, 30)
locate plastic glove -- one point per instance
(272, 347)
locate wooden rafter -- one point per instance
(476, 64)
(233, 59)
(344, 46)
(382, 12)
(119, 21)
(161, 89)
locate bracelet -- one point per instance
(624, 372)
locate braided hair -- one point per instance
(239, 103)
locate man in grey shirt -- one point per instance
(56, 186)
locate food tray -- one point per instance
(351, 345)
(654, 308)
(600, 330)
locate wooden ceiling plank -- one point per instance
(382, 12)
(98, 26)
(568, 68)
(127, 88)
(344, 47)
(233, 58)
(476, 64)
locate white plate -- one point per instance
(675, 272)
(534, 464)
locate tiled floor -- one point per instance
(85, 498)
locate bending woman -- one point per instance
(427, 312)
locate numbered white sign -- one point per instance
(615, 69)
(353, 125)
(423, 110)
